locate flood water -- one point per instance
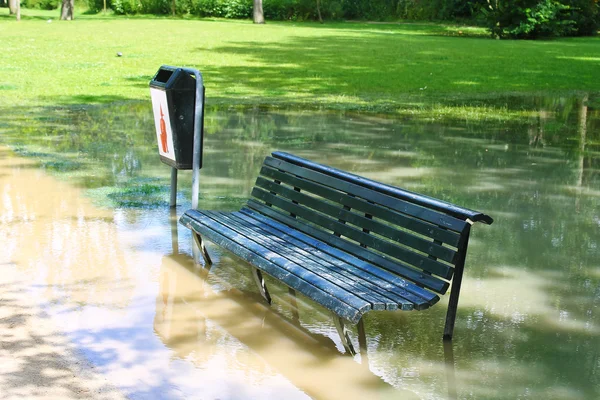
(84, 216)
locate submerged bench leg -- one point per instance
(362, 344)
(260, 282)
(450, 372)
(362, 338)
(455, 290)
(344, 336)
(294, 304)
(200, 243)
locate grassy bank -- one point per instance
(349, 66)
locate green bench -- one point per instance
(349, 243)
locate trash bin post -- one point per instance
(198, 129)
(173, 202)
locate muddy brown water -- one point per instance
(84, 216)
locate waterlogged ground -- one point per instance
(85, 224)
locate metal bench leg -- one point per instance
(362, 344)
(362, 338)
(260, 282)
(294, 304)
(455, 290)
(450, 373)
(344, 336)
(452, 308)
(200, 243)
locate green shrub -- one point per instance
(207, 8)
(95, 6)
(520, 19)
(411, 9)
(586, 14)
(532, 19)
(371, 10)
(41, 4)
(279, 9)
(238, 9)
(130, 7)
(160, 7)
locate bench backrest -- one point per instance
(417, 237)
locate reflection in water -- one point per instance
(527, 325)
(193, 319)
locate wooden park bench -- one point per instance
(349, 243)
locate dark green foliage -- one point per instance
(513, 19)
(303, 10)
(531, 19)
(41, 4)
(206, 8)
(373, 10)
(438, 9)
(95, 6)
(238, 9)
(129, 6)
(210, 8)
(586, 15)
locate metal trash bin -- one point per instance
(173, 92)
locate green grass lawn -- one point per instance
(381, 67)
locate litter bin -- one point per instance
(173, 92)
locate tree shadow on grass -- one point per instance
(8, 17)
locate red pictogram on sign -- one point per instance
(163, 132)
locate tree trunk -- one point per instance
(18, 10)
(173, 7)
(12, 6)
(257, 16)
(319, 11)
(67, 9)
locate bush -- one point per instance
(532, 19)
(586, 14)
(160, 7)
(95, 6)
(239, 9)
(519, 19)
(279, 9)
(123, 7)
(443, 10)
(41, 4)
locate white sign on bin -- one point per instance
(164, 133)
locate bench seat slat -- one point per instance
(378, 280)
(422, 298)
(310, 215)
(402, 206)
(423, 245)
(341, 269)
(386, 214)
(428, 281)
(344, 304)
(269, 241)
(301, 256)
